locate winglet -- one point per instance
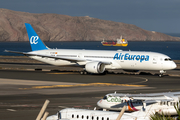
(35, 41)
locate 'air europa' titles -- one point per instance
(127, 56)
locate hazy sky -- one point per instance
(154, 15)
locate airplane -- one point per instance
(84, 114)
(162, 103)
(96, 61)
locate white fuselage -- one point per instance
(127, 60)
(159, 102)
(84, 114)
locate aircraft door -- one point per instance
(155, 60)
(80, 55)
(66, 114)
(161, 62)
(92, 115)
(47, 53)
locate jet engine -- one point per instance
(95, 67)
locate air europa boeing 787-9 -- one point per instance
(96, 61)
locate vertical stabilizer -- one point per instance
(35, 41)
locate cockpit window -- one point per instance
(167, 59)
(105, 97)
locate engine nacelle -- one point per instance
(95, 67)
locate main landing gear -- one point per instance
(83, 73)
(161, 73)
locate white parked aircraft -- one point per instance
(96, 61)
(84, 114)
(155, 102)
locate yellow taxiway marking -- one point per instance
(83, 85)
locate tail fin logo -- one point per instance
(34, 39)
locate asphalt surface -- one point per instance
(22, 92)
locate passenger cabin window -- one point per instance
(92, 117)
(82, 116)
(77, 116)
(72, 115)
(102, 118)
(97, 118)
(87, 117)
(107, 118)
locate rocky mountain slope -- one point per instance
(55, 27)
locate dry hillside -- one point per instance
(55, 27)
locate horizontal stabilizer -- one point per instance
(15, 52)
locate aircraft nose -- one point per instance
(173, 65)
(99, 103)
(53, 117)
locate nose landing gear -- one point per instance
(161, 73)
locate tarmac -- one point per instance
(25, 84)
(26, 63)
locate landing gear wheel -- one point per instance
(160, 75)
(83, 73)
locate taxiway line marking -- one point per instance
(12, 110)
(63, 73)
(146, 80)
(84, 85)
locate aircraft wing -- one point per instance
(152, 100)
(149, 98)
(57, 57)
(155, 101)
